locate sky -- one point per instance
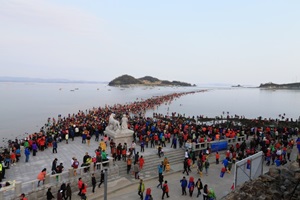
(199, 42)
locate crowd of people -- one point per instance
(275, 142)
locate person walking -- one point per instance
(165, 162)
(165, 190)
(160, 180)
(191, 186)
(183, 182)
(136, 157)
(54, 146)
(199, 186)
(27, 153)
(205, 192)
(141, 189)
(34, 148)
(141, 162)
(83, 191)
(142, 146)
(185, 166)
(217, 158)
(68, 192)
(200, 166)
(75, 165)
(49, 194)
(101, 179)
(54, 164)
(63, 189)
(93, 182)
(41, 176)
(79, 184)
(128, 165)
(160, 169)
(206, 166)
(136, 170)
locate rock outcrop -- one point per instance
(280, 86)
(147, 81)
(280, 183)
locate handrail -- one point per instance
(16, 189)
(10, 187)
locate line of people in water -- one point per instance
(147, 131)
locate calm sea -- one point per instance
(25, 107)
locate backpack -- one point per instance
(148, 191)
(75, 164)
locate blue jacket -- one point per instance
(160, 169)
(27, 152)
(54, 144)
(225, 162)
(183, 182)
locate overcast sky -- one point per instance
(235, 42)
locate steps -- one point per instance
(175, 156)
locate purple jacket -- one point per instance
(34, 146)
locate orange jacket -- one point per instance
(41, 176)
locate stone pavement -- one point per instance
(124, 187)
(25, 172)
(221, 186)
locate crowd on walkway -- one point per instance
(176, 129)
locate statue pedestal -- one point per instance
(120, 136)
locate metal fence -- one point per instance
(248, 169)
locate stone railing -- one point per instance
(54, 181)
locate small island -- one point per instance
(280, 86)
(145, 81)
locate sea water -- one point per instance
(25, 107)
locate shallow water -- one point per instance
(25, 107)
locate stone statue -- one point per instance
(124, 125)
(113, 124)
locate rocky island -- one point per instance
(145, 81)
(280, 86)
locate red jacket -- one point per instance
(80, 184)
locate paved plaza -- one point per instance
(124, 187)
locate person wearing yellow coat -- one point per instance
(102, 145)
(165, 162)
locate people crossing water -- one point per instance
(176, 125)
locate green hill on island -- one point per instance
(147, 81)
(280, 86)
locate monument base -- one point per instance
(124, 136)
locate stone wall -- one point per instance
(279, 183)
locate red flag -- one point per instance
(232, 187)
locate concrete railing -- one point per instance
(17, 188)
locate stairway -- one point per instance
(175, 156)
